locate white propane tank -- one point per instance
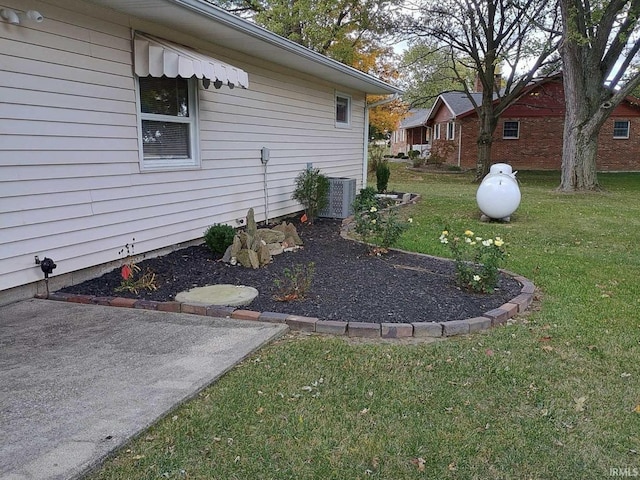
(498, 195)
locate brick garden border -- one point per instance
(433, 329)
(492, 318)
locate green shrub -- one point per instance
(312, 191)
(400, 155)
(219, 237)
(376, 156)
(382, 176)
(365, 200)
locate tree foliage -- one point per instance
(340, 29)
(427, 72)
(513, 39)
(600, 45)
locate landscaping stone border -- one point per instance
(492, 318)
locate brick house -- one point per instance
(529, 132)
(412, 133)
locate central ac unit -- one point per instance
(342, 193)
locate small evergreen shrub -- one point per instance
(219, 237)
(382, 176)
(312, 191)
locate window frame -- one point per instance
(436, 131)
(517, 131)
(340, 123)
(451, 130)
(628, 129)
(149, 164)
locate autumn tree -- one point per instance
(506, 42)
(427, 72)
(600, 44)
(340, 29)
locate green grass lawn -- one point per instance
(552, 395)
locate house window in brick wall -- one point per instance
(621, 129)
(511, 130)
(436, 131)
(451, 131)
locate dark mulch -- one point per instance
(348, 284)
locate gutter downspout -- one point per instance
(460, 147)
(365, 145)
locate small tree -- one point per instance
(382, 176)
(312, 191)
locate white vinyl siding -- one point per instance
(71, 186)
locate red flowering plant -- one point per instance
(131, 280)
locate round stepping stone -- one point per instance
(227, 295)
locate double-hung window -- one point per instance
(169, 123)
(511, 130)
(451, 131)
(343, 110)
(436, 131)
(621, 129)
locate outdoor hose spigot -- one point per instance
(47, 266)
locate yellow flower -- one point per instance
(373, 221)
(445, 233)
(373, 209)
(468, 233)
(498, 242)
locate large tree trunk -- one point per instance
(488, 123)
(579, 154)
(582, 122)
(586, 107)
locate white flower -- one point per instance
(487, 242)
(410, 220)
(476, 278)
(373, 209)
(467, 240)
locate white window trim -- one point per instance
(618, 137)
(451, 131)
(171, 164)
(436, 131)
(511, 138)
(346, 124)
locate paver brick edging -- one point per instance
(492, 318)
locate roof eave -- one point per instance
(289, 54)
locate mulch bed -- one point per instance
(348, 285)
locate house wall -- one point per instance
(70, 181)
(539, 146)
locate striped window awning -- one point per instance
(156, 58)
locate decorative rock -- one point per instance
(226, 258)
(290, 231)
(264, 255)
(248, 258)
(268, 235)
(227, 295)
(275, 248)
(252, 228)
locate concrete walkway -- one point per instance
(78, 381)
